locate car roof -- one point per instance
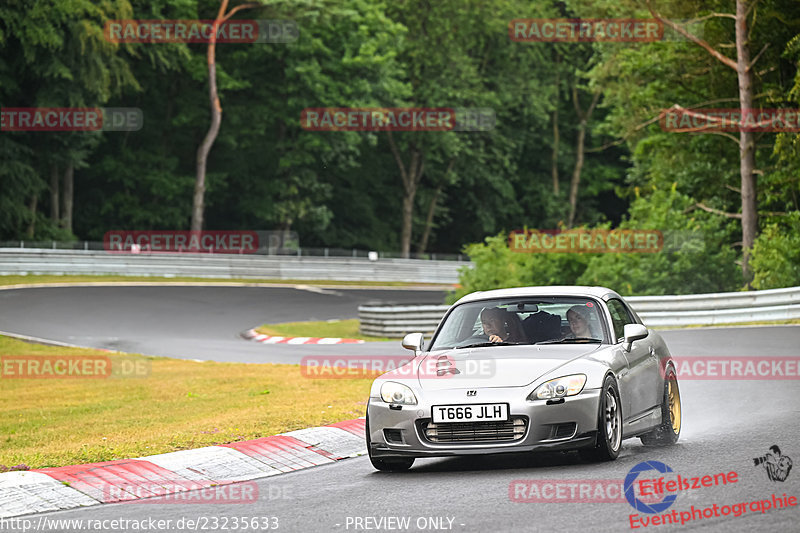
(553, 290)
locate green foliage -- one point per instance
(695, 257)
(20, 181)
(293, 178)
(497, 267)
(341, 189)
(53, 55)
(776, 254)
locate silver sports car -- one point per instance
(527, 369)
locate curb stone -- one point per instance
(68, 487)
(253, 335)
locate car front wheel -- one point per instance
(609, 425)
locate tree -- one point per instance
(743, 66)
(223, 15)
(695, 257)
(650, 78)
(55, 55)
(580, 143)
(484, 70)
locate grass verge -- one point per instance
(179, 405)
(25, 280)
(345, 329)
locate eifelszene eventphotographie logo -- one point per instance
(777, 466)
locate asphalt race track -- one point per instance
(726, 423)
(191, 322)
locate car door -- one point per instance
(636, 385)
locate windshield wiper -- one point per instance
(482, 344)
(568, 341)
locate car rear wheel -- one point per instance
(670, 429)
(387, 464)
(609, 425)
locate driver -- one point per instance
(501, 326)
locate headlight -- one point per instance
(392, 392)
(559, 387)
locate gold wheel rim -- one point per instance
(675, 406)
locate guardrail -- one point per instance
(264, 249)
(718, 308)
(696, 309)
(396, 321)
(14, 261)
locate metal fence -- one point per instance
(396, 321)
(696, 309)
(699, 309)
(297, 251)
(14, 261)
(718, 308)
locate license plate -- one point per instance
(470, 413)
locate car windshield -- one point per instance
(531, 320)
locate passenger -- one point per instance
(578, 317)
(502, 326)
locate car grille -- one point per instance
(470, 432)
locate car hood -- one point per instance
(495, 366)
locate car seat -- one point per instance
(542, 326)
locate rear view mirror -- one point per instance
(414, 341)
(523, 307)
(633, 332)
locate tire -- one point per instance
(609, 425)
(671, 416)
(387, 464)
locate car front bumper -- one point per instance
(549, 426)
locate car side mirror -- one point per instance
(633, 332)
(414, 341)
